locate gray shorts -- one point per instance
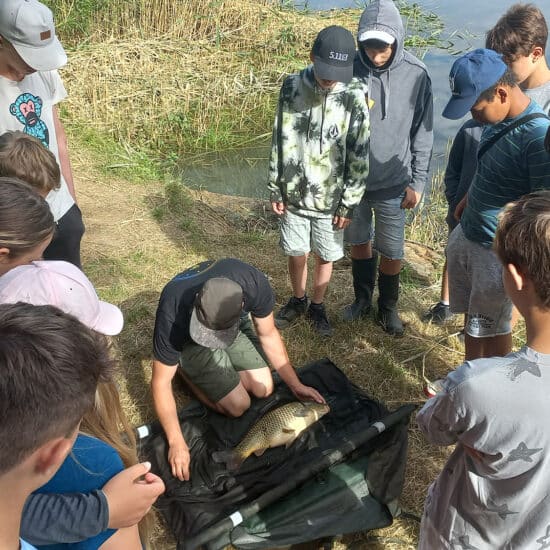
(300, 234)
(476, 288)
(216, 371)
(389, 226)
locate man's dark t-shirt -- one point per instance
(177, 299)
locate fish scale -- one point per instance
(280, 426)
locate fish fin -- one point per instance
(231, 459)
(288, 431)
(259, 452)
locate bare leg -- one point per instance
(515, 318)
(297, 269)
(487, 347)
(123, 539)
(235, 403)
(445, 284)
(361, 251)
(389, 267)
(258, 382)
(321, 278)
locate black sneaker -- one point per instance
(293, 309)
(438, 314)
(318, 316)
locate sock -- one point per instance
(444, 302)
(314, 305)
(302, 299)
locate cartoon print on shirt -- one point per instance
(27, 108)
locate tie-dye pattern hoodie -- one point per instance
(319, 153)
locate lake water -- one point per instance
(465, 20)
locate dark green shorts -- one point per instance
(216, 371)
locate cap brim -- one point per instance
(111, 320)
(325, 71)
(376, 35)
(458, 107)
(213, 339)
(46, 58)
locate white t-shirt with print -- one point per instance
(28, 106)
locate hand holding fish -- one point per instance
(179, 459)
(306, 393)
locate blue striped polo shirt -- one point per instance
(512, 167)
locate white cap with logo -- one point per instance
(28, 25)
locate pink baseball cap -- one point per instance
(28, 25)
(62, 285)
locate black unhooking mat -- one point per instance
(355, 495)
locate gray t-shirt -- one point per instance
(493, 492)
(540, 94)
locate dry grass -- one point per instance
(188, 82)
(171, 77)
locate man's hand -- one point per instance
(411, 199)
(278, 207)
(179, 459)
(340, 222)
(131, 494)
(459, 210)
(307, 393)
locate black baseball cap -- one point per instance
(333, 54)
(216, 313)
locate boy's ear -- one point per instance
(537, 53)
(501, 94)
(51, 455)
(4, 253)
(517, 277)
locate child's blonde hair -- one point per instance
(24, 157)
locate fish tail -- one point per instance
(232, 459)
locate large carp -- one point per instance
(281, 426)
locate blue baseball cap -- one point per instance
(470, 76)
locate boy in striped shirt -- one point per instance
(512, 162)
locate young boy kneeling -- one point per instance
(492, 493)
(318, 168)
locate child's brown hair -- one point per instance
(523, 239)
(24, 157)
(517, 32)
(25, 217)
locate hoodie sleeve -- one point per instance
(64, 518)
(357, 156)
(422, 135)
(454, 166)
(275, 160)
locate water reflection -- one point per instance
(242, 172)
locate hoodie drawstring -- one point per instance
(322, 123)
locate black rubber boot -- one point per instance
(364, 277)
(388, 318)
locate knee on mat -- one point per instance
(262, 389)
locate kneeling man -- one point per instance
(203, 326)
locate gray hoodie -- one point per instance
(401, 117)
